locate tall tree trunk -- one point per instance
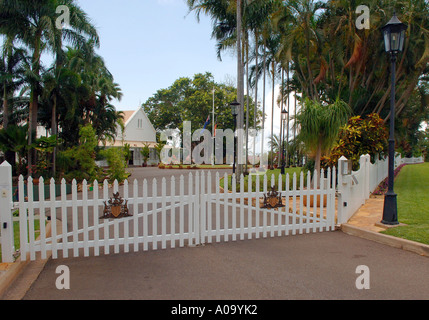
(54, 132)
(10, 156)
(5, 107)
(240, 90)
(34, 101)
(272, 115)
(255, 110)
(263, 99)
(288, 118)
(247, 102)
(281, 135)
(316, 176)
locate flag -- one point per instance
(214, 133)
(206, 124)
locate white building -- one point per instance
(138, 131)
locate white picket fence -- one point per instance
(357, 186)
(193, 214)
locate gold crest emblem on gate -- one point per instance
(273, 199)
(115, 208)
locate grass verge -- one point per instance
(412, 186)
(270, 174)
(16, 234)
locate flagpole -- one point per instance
(214, 128)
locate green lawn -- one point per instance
(270, 173)
(16, 235)
(412, 187)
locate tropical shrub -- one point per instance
(79, 161)
(359, 137)
(145, 151)
(116, 159)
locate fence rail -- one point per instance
(190, 210)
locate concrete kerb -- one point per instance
(416, 247)
(31, 269)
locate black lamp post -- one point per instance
(235, 106)
(394, 38)
(284, 118)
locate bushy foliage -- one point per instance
(359, 137)
(116, 159)
(79, 161)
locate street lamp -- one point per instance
(235, 107)
(284, 118)
(394, 38)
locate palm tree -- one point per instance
(12, 70)
(14, 139)
(34, 24)
(320, 125)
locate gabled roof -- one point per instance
(130, 114)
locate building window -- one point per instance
(139, 123)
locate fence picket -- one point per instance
(181, 212)
(106, 221)
(31, 218)
(135, 215)
(308, 213)
(249, 207)
(265, 211)
(280, 210)
(163, 214)
(96, 222)
(85, 218)
(53, 212)
(315, 183)
(126, 222)
(201, 204)
(154, 215)
(241, 207)
(42, 218)
(173, 213)
(145, 217)
(287, 203)
(301, 202)
(321, 200)
(75, 219)
(333, 189)
(23, 221)
(257, 211)
(190, 209)
(115, 223)
(234, 207)
(64, 218)
(225, 207)
(196, 211)
(208, 203)
(272, 212)
(294, 192)
(217, 211)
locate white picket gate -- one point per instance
(197, 213)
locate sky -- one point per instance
(148, 44)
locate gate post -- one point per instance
(7, 243)
(343, 190)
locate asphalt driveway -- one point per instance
(312, 266)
